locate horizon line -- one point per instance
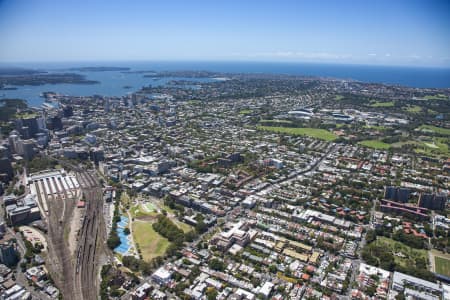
(293, 62)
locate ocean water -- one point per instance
(112, 83)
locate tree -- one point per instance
(409, 239)
(190, 236)
(145, 267)
(371, 236)
(113, 240)
(370, 290)
(201, 227)
(20, 191)
(211, 293)
(131, 262)
(273, 268)
(400, 296)
(216, 264)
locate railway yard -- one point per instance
(74, 269)
(256, 187)
(91, 238)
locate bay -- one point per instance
(114, 83)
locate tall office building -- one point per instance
(28, 149)
(6, 169)
(55, 123)
(67, 111)
(106, 102)
(27, 127)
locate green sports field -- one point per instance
(321, 134)
(383, 104)
(150, 242)
(376, 144)
(435, 129)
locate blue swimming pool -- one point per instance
(124, 241)
(123, 222)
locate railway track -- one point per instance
(59, 220)
(76, 274)
(93, 226)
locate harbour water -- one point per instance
(118, 83)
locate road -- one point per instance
(312, 167)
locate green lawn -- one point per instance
(194, 102)
(413, 109)
(383, 104)
(438, 146)
(442, 265)
(311, 132)
(375, 127)
(376, 144)
(280, 122)
(435, 129)
(26, 115)
(400, 144)
(245, 112)
(139, 211)
(403, 255)
(149, 241)
(436, 97)
(183, 226)
(168, 209)
(149, 207)
(338, 97)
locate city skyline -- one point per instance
(407, 33)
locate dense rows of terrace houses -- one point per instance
(289, 215)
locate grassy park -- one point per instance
(436, 97)
(150, 242)
(435, 129)
(414, 109)
(183, 226)
(403, 255)
(276, 122)
(245, 112)
(375, 144)
(438, 146)
(141, 210)
(383, 104)
(26, 115)
(311, 132)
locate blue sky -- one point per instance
(385, 32)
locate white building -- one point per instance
(162, 276)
